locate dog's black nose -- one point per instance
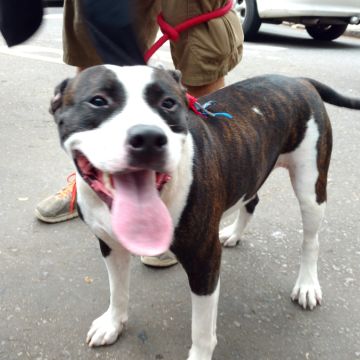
(146, 143)
(146, 138)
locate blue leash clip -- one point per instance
(203, 110)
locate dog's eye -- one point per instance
(98, 101)
(168, 103)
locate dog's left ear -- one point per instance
(56, 100)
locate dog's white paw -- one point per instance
(104, 330)
(203, 353)
(307, 292)
(228, 237)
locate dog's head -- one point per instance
(124, 127)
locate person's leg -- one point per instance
(79, 52)
(78, 48)
(202, 90)
(146, 27)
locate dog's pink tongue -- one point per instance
(140, 220)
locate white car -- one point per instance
(323, 19)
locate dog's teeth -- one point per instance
(107, 181)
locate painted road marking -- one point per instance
(34, 52)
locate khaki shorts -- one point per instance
(204, 53)
(77, 46)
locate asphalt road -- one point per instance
(53, 282)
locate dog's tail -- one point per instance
(330, 96)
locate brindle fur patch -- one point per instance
(233, 158)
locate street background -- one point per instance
(53, 282)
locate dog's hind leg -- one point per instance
(106, 329)
(308, 166)
(231, 235)
(307, 289)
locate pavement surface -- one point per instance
(53, 282)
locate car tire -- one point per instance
(248, 13)
(325, 32)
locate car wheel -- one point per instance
(325, 32)
(248, 13)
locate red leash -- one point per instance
(173, 33)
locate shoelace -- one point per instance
(69, 189)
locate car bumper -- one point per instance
(295, 9)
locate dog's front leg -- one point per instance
(203, 324)
(106, 329)
(202, 266)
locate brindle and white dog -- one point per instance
(128, 128)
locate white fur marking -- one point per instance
(203, 325)
(230, 235)
(105, 329)
(257, 110)
(302, 165)
(176, 191)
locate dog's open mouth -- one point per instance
(140, 220)
(99, 181)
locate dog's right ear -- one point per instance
(56, 101)
(176, 75)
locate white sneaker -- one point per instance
(163, 260)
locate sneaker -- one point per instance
(61, 206)
(163, 260)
